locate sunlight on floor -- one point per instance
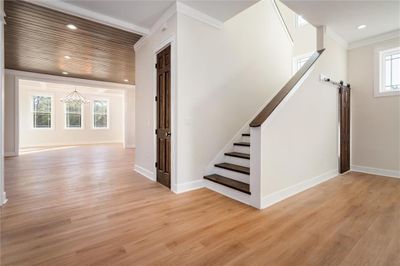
(43, 149)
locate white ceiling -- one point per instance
(141, 13)
(221, 10)
(343, 17)
(144, 14)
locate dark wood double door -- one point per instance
(163, 131)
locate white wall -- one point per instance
(11, 126)
(224, 77)
(375, 120)
(9, 115)
(130, 118)
(304, 37)
(59, 135)
(299, 141)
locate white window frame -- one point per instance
(296, 59)
(380, 71)
(82, 118)
(52, 120)
(300, 21)
(108, 114)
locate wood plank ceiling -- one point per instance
(37, 40)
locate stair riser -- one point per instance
(233, 175)
(245, 139)
(238, 161)
(243, 149)
(229, 192)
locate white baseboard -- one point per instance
(3, 199)
(130, 147)
(375, 171)
(72, 144)
(229, 192)
(187, 186)
(280, 195)
(144, 172)
(10, 154)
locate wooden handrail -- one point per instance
(278, 98)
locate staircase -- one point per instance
(232, 176)
(234, 172)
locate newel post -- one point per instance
(255, 166)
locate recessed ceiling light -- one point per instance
(65, 72)
(361, 27)
(126, 80)
(71, 27)
(67, 57)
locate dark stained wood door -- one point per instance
(163, 131)
(344, 124)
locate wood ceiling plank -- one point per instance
(37, 39)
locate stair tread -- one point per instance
(238, 155)
(233, 167)
(242, 144)
(246, 134)
(228, 182)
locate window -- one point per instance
(73, 115)
(41, 110)
(388, 76)
(299, 61)
(300, 21)
(100, 113)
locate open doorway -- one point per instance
(46, 121)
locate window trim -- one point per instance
(296, 59)
(82, 118)
(298, 24)
(379, 74)
(108, 114)
(52, 113)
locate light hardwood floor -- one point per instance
(86, 206)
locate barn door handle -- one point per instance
(167, 134)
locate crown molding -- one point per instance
(195, 14)
(375, 39)
(90, 15)
(160, 23)
(178, 7)
(336, 37)
(170, 12)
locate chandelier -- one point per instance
(74, 97)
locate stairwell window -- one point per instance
(73, 115)
(42, 111)
(300, 21)
(387, 76)
(101, 114)
(299, 61)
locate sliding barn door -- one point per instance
(344, 123)
(163, 131)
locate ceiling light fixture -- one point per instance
(75, 97)
(67, 57)
(71, 27)
(65, 73)
(361, 27)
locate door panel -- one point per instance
(344, 118)
(164, 117)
